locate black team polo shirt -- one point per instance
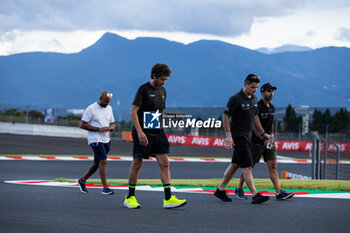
(149, 99)
(242, 111)
(266, 115)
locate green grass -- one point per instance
(334, 185)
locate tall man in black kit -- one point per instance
(149, 136)
(242, 108)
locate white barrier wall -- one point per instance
(42, 130)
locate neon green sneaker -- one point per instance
(173, 202)
(131, 202)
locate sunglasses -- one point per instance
(109, 95)
(254, 79)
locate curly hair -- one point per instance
(160, 70)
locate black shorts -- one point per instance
(157, 145)
(241, 153)
(100, 150)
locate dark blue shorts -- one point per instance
(100, 150)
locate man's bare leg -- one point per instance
(274, 175)
(164, 167)
(133, 175)
(241, 179)
(91, 171)
(134, 170)
(103, 163)
(230, 171)
(248, 177)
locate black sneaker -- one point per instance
(107, 191)
(240, 194)
(283, 195)
(82, 186)
(258, 199)
(222, 195)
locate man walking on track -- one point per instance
(98, 119)
(242, 108)
(266, 112)
(148, 135)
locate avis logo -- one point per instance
(151, 120)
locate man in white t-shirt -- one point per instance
(98, 119)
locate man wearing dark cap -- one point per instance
(98, 120)
(242, 108)
(266, 112)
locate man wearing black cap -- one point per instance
(242, 108)
(266, 112)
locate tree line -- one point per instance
(34, 114)
(16, 112)
(321, 122)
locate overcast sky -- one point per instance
(69, 26)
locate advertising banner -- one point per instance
(176, 139)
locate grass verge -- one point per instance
(333, 185)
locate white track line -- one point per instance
(125, 158)
(160, 189)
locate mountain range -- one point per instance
(284, 48)
(204, 74)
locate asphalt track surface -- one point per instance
(25, 208)
(22, 144)
(120, 169)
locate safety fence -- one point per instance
(326, 162)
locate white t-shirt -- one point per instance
(98, 116)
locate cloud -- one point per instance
(54, 43)
(218, 17)
(8, 36)
(343, 34)
(311, 33)
(64, 42)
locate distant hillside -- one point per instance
(205, 73)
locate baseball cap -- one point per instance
(267, 86)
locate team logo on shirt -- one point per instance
(264, 115)
(151, 120)
(245, 106)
